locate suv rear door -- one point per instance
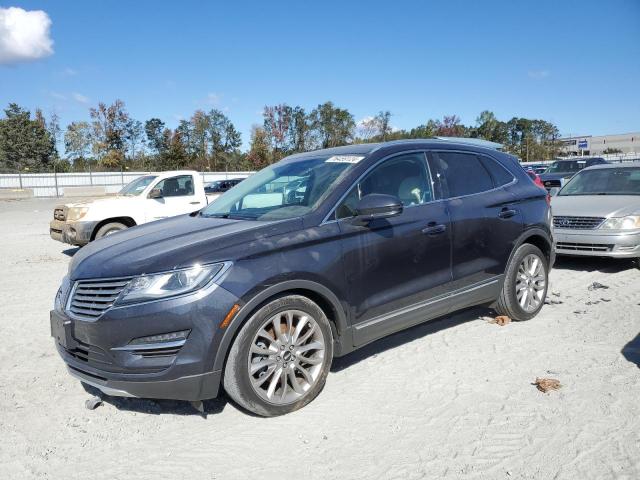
(395, 267)
(485, 218)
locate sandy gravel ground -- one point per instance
(449, 399)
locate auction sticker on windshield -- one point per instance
(344, 159)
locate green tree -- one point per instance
(259, 155)
(332, 126)
(77, 140)
(223, 137)
(383, 122)
(134, 136)
(154, 129)
(109, 125)
(299, 130)
(24, 143)
(277, 124)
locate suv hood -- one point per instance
(174, 243)
(595, 205)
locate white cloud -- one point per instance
(78, 97)
(69, 72)
(213, 99)
(24, 35)
(58, 96)
(538, 74)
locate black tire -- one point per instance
(507, 303)
(109, 228)
(236, 378)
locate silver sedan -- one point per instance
(597, 213)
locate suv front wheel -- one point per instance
(280, 360)
(525, 285)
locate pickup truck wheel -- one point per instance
(280, 359)
(109, 228)
(525, 285)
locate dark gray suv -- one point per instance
(306, 260)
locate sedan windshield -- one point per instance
(137, 186)
(604, 181)
(284, 190)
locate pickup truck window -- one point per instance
(137, 186)
(180, 186)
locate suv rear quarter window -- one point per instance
(501, 176)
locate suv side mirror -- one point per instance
(377, 205)
(155, 193)
(554, 191)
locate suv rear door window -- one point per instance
(464, 174)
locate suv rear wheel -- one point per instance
(280, 360)
(525, 285)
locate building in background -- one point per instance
(590, 145)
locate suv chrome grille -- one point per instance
(91, 298)
(60, 213)
(577, 223)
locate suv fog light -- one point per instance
(164, 337)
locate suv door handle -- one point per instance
(434, 228)
(194, 203)
(507, 213)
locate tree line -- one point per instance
(111, 139)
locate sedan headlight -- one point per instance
(630, 222)
(169, 284)
(76, 213)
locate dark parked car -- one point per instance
(221, 186)
(562, 170)
(260, 290)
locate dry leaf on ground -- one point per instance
(546, 384)
(501, 320)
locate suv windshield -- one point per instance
(137, 186)
(604, 181)
(286, 189)
(564, 167)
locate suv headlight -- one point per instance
(169, 284)
(630, 222)
(76, 213)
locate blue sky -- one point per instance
(574, 63)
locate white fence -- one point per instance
(53, 184)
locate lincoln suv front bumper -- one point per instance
(158, 349)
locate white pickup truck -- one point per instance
(148, 198)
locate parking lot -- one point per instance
(452, 398)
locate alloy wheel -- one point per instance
(530, 283)
(286, 357)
